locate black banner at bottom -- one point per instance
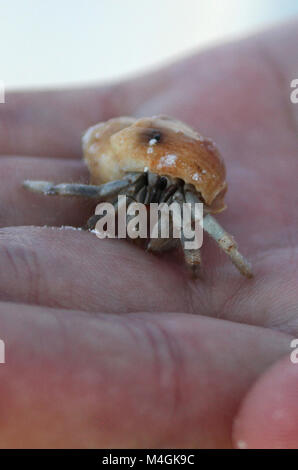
(134, 459)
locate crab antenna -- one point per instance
(227, 243)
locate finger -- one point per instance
(51, 123)
(94, 380)
(200, 89)
(76, 270)
(19, 206)
(268, 416)
(210, 91)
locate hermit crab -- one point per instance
(157, 159)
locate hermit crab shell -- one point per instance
(161, 145)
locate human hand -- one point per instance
(109, 346)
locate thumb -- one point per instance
(268, 416)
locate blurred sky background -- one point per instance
(62, 42)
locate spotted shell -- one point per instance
(158, 144)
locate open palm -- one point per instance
(109, 346)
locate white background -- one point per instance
(59, 42)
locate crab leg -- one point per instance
(92, 221)
(141, 194)
(129, 191)
(224, 240)
(168, 192)
(103, 191)
(162, 244)
(151, 187)
(227, 243)
(192, 259)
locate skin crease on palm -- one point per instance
(109, 346)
